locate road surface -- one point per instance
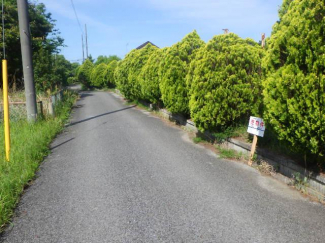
(118, 174)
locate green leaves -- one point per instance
(128, 76)
(295, 74)
(98, 75)
(225, 82)
(174, 68)
(111, 67)
(84, 73)
(45, 43)
(150, 77)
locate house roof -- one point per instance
(144, 44)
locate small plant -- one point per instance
(229, 153)
(197, 140)
(300, 182)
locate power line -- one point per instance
(75, 12)
(82, 33)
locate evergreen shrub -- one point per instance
(174, 68)
(225, 82)
(295, 76)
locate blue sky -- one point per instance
(117, 26)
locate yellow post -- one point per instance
(6, 108)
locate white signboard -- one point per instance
(256, 126)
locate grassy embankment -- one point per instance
(29, 146)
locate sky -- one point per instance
(115, 27)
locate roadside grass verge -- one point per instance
(29, 146)
(197, 140)
(226, 153)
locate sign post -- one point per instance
(256, 127)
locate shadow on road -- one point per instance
(84, 95)
(56, 146)
(104, 114)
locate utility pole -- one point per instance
(26, 52)
(263, 40)
(86, 41)
(226, 31)
(83, 48)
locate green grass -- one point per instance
(29, 146)
(231, 154)
(198, 139)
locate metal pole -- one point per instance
(26, 51)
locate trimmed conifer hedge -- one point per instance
(98, 75)
(128, 72)
(295, 76)
(150, 77)
(174, 69)
(110, 79)
(225, 82)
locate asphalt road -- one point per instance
(118, 174)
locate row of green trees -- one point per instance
(99, 74)
(217, 84)
(51, 70)
(223, 82)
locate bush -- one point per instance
(98, 76)
(111, 67)
(128, 77)
(174, 69)
(294, 67)
(150, 78)
(225, 82)
(121, 77)
(84, 73)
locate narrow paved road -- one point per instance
(118, 174)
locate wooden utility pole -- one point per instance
(26, 52)
(263, 40)
(86, 41)
(83, 48)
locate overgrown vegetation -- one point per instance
(29, 146)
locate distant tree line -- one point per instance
(51, 70)
(99, 74)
